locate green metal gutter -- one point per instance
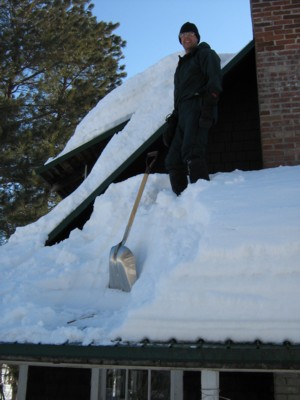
(241, 356)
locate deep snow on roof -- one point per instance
(220, 261)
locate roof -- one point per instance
(238, 57)
(218, 307)
(59, 231)
(66, 172)
(196, 355)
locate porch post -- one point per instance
(210, 385)
(176, 385)
(22, 382)
(98, 384)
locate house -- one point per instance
(259, 84)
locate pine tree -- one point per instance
(56, 63)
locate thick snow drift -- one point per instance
(220, 261)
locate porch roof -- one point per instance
(160, 355)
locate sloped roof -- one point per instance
(66, 172)
(195, 354)
(59, 231)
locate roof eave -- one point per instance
(237, 58)
(199, 355)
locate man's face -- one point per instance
(188, 40)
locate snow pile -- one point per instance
(148, 98)
(220, 261)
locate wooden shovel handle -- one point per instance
(149, 165)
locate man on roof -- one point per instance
(197, 88)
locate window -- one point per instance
(127, 384)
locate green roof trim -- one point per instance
(238, 57)
(79, 149)
(198, 355)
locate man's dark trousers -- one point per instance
(187, 153)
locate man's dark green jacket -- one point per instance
(197, 73)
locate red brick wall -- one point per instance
(276, 30)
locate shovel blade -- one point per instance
(122, 268)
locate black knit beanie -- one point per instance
(189, 27)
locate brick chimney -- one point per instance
(276, 30)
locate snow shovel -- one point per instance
(122, 266)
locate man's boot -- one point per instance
(178, 179)
(197, 169)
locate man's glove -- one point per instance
(171, 124)
(210, 100)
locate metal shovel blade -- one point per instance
(122, 268)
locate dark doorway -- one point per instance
(191, 385)
(58, 383)
(246, 386)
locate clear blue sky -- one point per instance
(150, 27)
